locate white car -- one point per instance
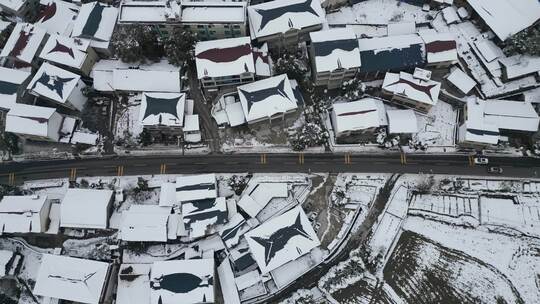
(481, 161)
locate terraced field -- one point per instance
(421, 271)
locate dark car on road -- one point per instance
(496, 170)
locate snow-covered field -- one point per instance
(422, 271)
(517, 258)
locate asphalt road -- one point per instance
(17, 172)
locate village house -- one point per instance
(519, 66)
(58, 86)
(192, 129)
(23, 46)
(73, 279)
(70, 53)
(441, 48)
(24, 214)
(390, 53)
(147, 223)
(184, 271)
(95, 23)
(14, 83)
(335, 57)
(225, 62)
(57, 17)
(114, 75)
(263, 61)
(284, 23)
(268, 99)
(357, 121)
(402, 122)
(269, 258)
(410, 91)
(487, 121)
(505, 17)
(461, 81)
(162, 111)
(86, 209)
(34, 123)
(20, 8)
(209, 20)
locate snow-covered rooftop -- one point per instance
(213, 12)
(404, 84)
(200, 215)
(235, 114)
(53, 82)
(282, 239)
(165, 109)
(110, 75)
(253, 202)
(145, 11)
(392, 52)
(280, 16)
(85, 208)
(22, 214)
(507, 17)
(57, 17)
(450, 15)
(262, 60)
(402, 121)
(71, 279)
(482, 133)
(10, 81)
(71, 52)
(476, 128)
(137, 80)
(224, 57)
(145, 223)
(401, 28)
(229, 290)
(182, 281)
(358, 115)
(133, 284)
(14, 5)
(33, 120)
(24, 42)
(335, 49)
(266, 98)
(232, 231)
(511, 115)
(167, 195)
(520, 65)
(191, 123)
(461, 80)
(196, 187)
(440, 47)
(95, 21)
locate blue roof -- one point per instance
(394, 59)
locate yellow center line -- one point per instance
(120, 171)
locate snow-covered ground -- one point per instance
(378, 12)
(438, 127)
(128, 121)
